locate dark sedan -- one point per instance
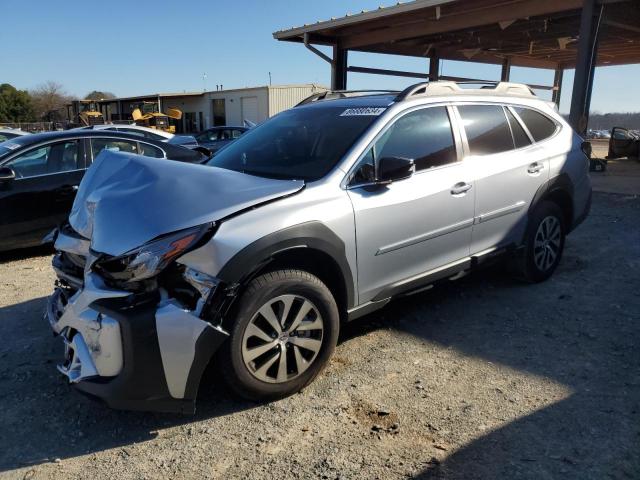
(40, 174)
(217, 137)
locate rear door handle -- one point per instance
(460, 188)
(535, 168)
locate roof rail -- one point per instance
(333, 94)
(443, 87)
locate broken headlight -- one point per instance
(150, 259)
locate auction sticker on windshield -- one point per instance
(369, 111)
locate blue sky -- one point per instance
(143, 46)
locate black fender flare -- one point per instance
(561, 182)
(314, 235)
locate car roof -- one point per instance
(109, 126)
(77, 133)
(427, 91)
(377, 100)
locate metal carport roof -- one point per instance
(553, 34)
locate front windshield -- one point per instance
(301, 143)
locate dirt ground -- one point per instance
(481, 378)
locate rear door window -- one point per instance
(150, 151)
(487, 129)
(100, 144)
(539, 125)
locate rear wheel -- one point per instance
(543, 245)
(285, 332)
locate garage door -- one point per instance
(249, 109)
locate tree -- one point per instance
(49, 100)
(15, 105)
(98, 95)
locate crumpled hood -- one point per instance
(126, 200)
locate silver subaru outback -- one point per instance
(320, 215)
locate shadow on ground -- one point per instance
(23, 253)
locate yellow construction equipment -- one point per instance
(147, 114)
(84, 113)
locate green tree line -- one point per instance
(46, 102)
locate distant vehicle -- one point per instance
(84, 113)
(148, 114)
(40, 174)
(623, 143)
(187, 141)
(9, 133)
(217, 137)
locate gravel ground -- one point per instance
(481, 378)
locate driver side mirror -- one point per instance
(7, 174)
(392, 169)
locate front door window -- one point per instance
(49, 159)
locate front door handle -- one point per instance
(460, 188)
(535, 168)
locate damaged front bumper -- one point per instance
(135, 351)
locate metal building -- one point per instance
(218, 107)
(550, 34)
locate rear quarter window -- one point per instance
(540, 126)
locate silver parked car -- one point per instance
(320, 215)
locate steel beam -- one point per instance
(339, 69)
(506, 70)
(585, 65)
(557, 85)
(393, 73)
(434, 67)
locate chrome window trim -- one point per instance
(49, 174)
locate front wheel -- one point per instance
(286, 329)
(544, 243)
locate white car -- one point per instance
(9, 133)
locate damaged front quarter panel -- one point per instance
(144, 345)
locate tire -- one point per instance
(541, 255)
(252, 359)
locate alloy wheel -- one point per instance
(547, 243)
(282, 339)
